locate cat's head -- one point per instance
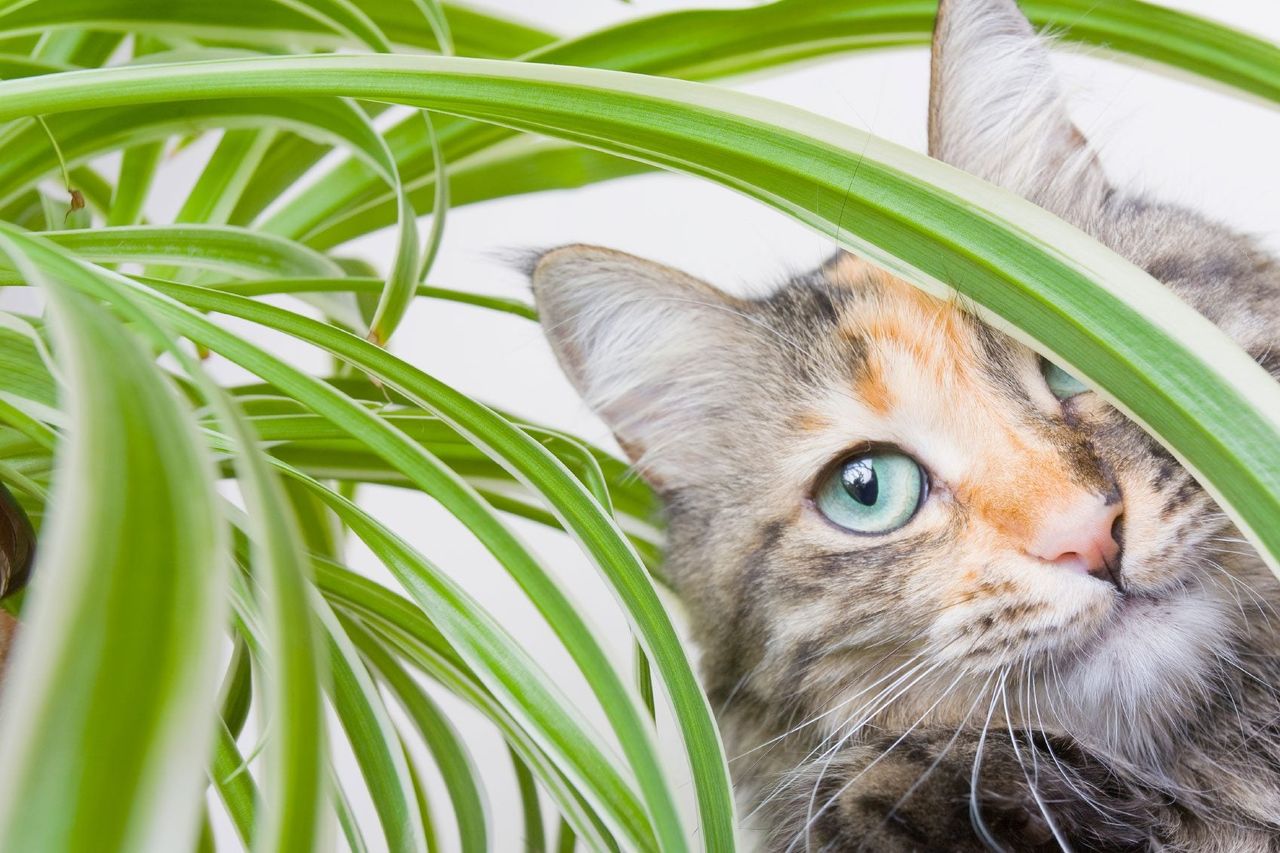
(870, 490)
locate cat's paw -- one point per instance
(914, 792)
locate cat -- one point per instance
(948, 598)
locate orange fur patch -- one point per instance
(933, 332)
(907, 331)
(1015, 500)
(874, 390)
(849, 270)
(812, 422)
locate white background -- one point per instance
(1180, 140)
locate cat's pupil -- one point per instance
(859, 478)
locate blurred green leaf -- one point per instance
(118, 661)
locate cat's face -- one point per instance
(908, 498)
(867, 484)
(947, 489)
(872, 492)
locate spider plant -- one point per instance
(192, 563)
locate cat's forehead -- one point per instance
(921, 374)
(913, 370)
(894, 327)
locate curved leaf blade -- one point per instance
(374, 741)
(446, 746)
(1040, 279)
(702, 44)
(295, 785)
(218, 248)
(113, 686)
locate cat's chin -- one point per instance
(1136, 681)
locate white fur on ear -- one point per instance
(651, 349)
(996, 110)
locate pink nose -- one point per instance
(1079, 536)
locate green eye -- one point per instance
(1063, 385)
(873, 492)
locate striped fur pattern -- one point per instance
(935, 687)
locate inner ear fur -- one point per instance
(653, 351)
(996, 109)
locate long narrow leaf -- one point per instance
(136, 172)
(219, 248)
(293, 691)
(112, 690)
(356, 284)
(403, 627)
(446, 746)
(702, 44)
(234, 785)
(1074, 300)
(93, 132)
(255, 21)
(374, 741)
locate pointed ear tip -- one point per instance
(523, 260)
(578, 271)
(566, 274)
(533, 262)
(544, 266)
(528, 260)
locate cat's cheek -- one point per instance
(1167, 516)
(998, 613)
(1151, 560)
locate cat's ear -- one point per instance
(650, 349)
(996, 109)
